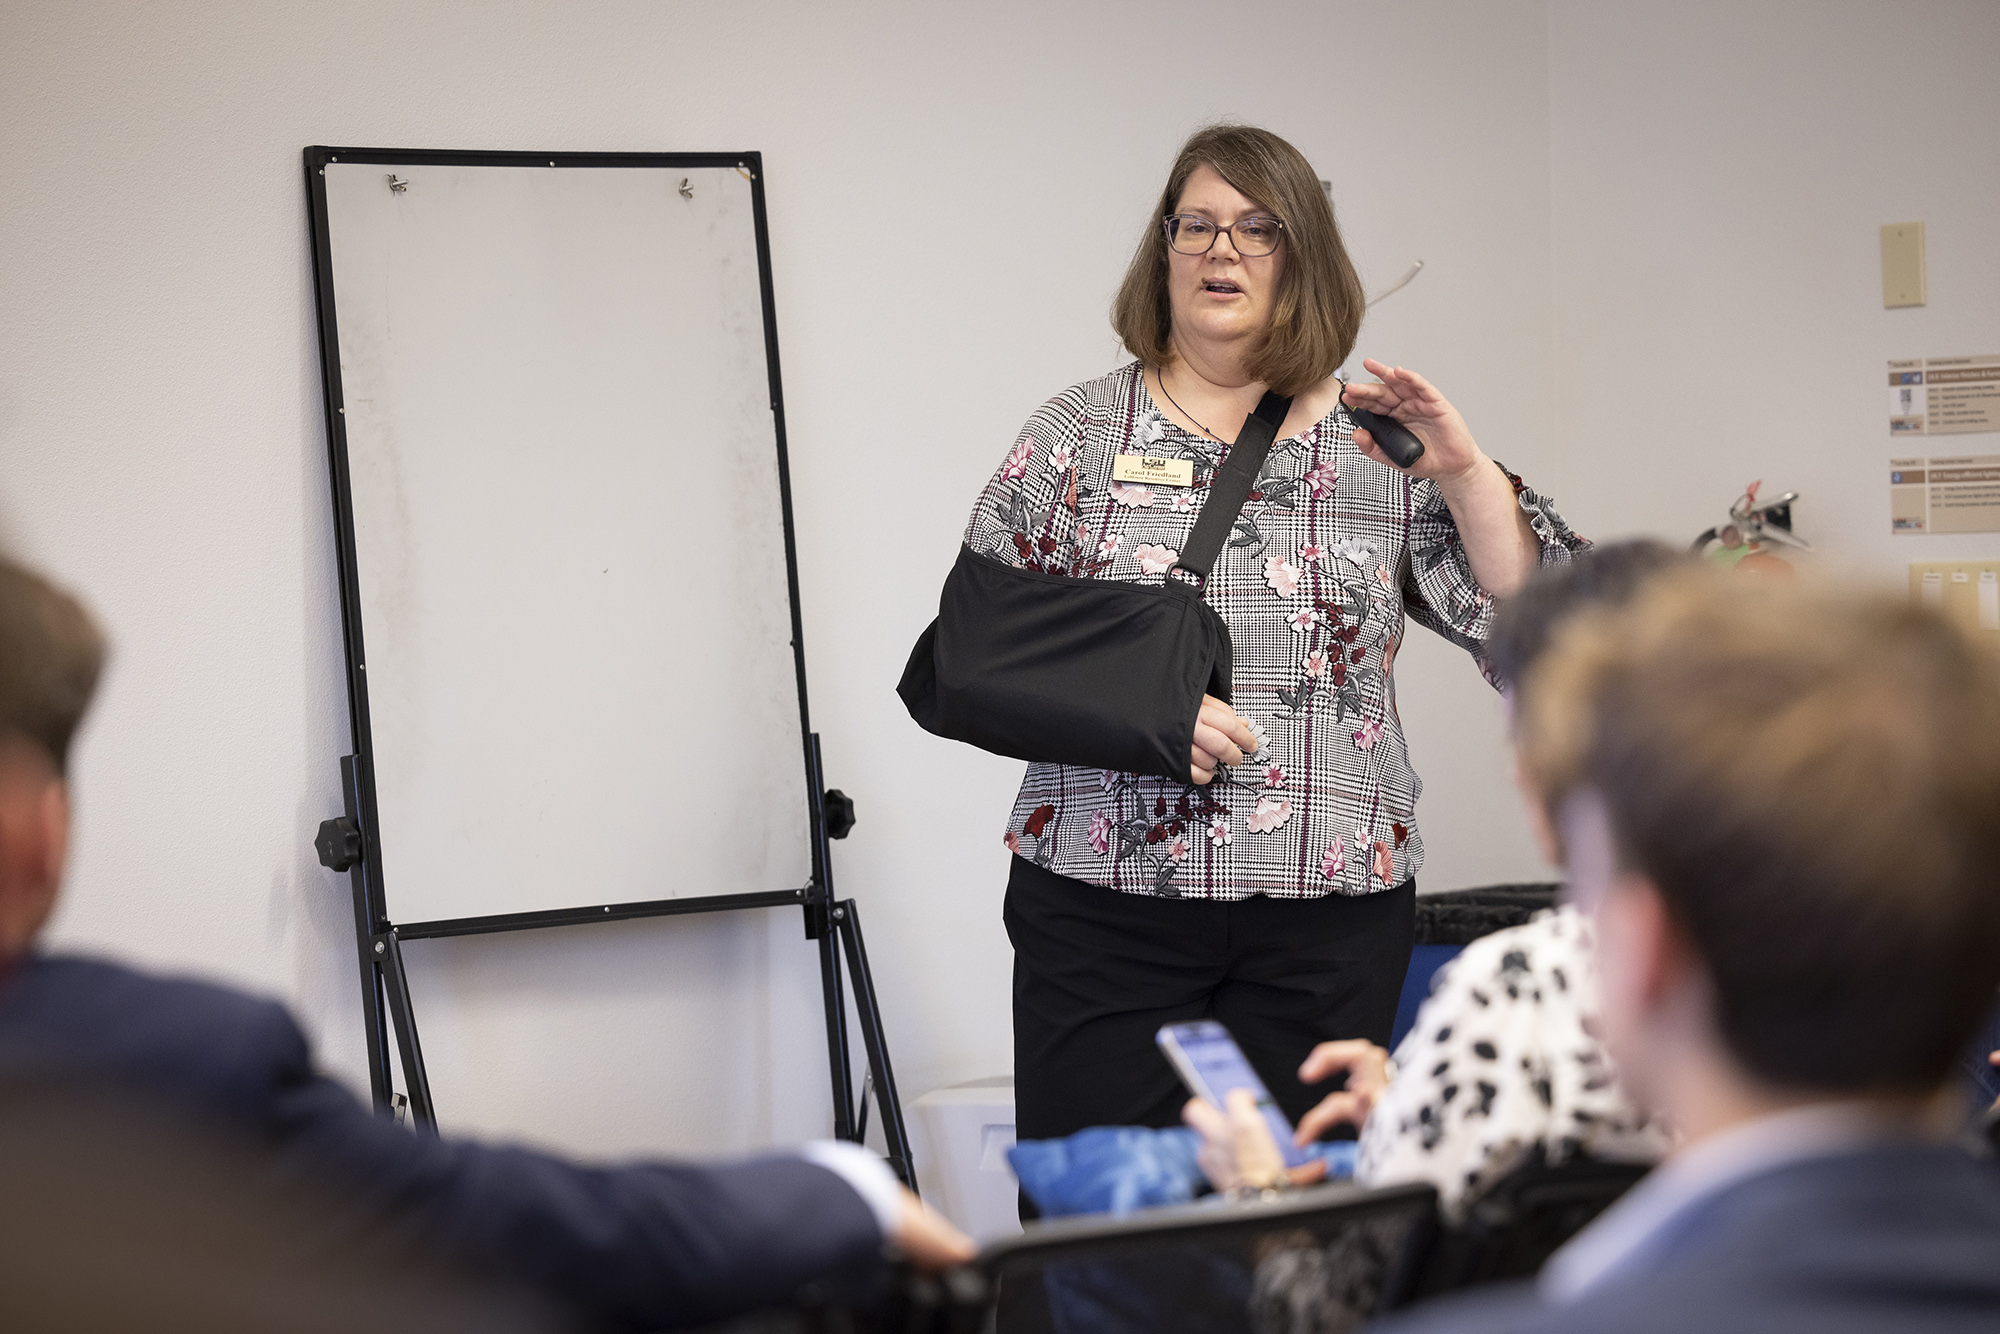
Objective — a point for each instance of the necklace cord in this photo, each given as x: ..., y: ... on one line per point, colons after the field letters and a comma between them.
x: 1161, y: 376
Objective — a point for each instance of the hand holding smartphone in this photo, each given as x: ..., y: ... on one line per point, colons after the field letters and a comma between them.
x: 1211, y: 1065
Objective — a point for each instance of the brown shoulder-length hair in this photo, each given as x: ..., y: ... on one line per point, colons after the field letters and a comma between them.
x: 1320, y: 302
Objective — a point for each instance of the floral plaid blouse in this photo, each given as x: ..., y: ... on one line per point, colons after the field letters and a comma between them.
x: 1329, y: 555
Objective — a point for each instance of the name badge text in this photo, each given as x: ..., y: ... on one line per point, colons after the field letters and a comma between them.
x: 1152, y: 471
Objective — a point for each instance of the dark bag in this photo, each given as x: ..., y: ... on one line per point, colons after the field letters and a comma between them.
x: 1090, y: 672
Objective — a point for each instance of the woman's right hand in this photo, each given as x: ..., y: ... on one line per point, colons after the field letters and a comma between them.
x: 1220, y: 737
x: 1367, y: 1069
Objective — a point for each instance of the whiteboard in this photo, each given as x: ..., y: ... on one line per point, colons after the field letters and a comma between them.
x: 570, y: 614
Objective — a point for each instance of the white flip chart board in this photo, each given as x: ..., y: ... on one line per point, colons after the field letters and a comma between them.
x: 569, y: 554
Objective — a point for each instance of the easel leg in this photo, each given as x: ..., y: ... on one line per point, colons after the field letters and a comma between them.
x: 847, y: 922
x: 364, y: 935
x: 389, y: 951
x: 379, y: 1056
x: 838, y: 1059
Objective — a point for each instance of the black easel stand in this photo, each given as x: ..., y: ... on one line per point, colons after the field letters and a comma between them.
x: 350, y: 843
x: 834, y: 923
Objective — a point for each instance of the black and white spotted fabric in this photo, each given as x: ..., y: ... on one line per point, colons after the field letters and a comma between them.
x: 1503, y: 1060
x: 1332, y: 552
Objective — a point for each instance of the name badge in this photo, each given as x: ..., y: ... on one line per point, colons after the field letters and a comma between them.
x: 1152, y: 471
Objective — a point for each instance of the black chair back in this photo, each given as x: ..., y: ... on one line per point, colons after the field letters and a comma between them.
x: 1509, y: 1231
x: 1315, y: 1261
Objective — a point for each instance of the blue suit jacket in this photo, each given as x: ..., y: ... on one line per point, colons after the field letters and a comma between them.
x: 641, y: 1246
x: 1903, y: 1239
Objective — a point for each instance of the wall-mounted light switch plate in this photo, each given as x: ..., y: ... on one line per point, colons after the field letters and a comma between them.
x: 1902, y: 264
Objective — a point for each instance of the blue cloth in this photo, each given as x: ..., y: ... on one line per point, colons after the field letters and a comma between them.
x: 1902, y: 1238
x: 1117, y: 1169
x: 647, y: 1246
x: 1425, y: 960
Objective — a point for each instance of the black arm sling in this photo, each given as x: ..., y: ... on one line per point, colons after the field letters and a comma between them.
x: 1091, y: 672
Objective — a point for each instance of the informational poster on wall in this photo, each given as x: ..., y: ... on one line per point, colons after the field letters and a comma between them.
x: 1956, y: 494
x: 1944, y: 395
x: 1965, y: 591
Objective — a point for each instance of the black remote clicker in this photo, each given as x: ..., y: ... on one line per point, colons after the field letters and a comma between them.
x: 1396, y: 441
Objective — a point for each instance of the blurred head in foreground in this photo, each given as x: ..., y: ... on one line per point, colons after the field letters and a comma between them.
x: 51, y: 653
x: 1603, y: 578
x: 1782, y: 804
x: 118, y: 1214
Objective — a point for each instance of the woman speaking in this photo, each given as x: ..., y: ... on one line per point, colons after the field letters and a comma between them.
x: 1272, y: 887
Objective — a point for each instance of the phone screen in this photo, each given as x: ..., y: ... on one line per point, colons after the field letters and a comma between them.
x: 1211, y: 1065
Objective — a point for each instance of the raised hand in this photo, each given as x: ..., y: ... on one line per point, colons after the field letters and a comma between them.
x: 1367, y: 1068
x: 1500, y: 545
x: 1449, y: 449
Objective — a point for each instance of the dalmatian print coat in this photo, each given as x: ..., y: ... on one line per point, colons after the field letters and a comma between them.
x: 1504, y: 1060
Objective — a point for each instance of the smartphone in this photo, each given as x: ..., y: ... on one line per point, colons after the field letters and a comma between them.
x: 1212, y: 1065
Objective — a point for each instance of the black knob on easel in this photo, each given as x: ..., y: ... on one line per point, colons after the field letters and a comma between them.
x: 839, y: 813
x: 338, y: 843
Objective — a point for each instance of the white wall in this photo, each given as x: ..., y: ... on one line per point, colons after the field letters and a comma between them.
x: 1719, y: 174
x: 1563, y: 171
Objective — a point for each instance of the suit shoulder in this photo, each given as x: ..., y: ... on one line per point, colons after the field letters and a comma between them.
x: 1499, y: 1309
x: 81, y: 981
x: 93, y: 1016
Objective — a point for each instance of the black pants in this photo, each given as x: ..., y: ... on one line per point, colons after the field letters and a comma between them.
x: 1096, y: 972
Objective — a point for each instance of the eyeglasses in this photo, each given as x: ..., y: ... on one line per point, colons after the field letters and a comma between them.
x: 1192, y: 234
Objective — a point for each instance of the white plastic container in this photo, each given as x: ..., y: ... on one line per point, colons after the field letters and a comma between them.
x: 960, y: 1136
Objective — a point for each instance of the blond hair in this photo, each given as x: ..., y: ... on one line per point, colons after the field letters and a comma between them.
x: 1812, y: 779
